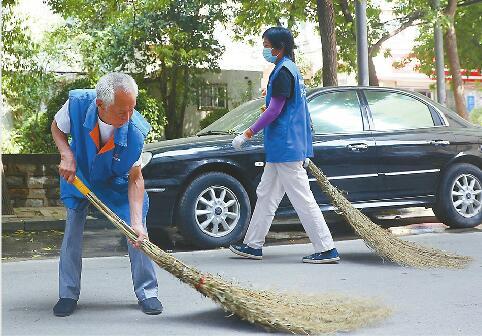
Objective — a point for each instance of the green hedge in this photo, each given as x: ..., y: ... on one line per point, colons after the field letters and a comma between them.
x: 212, y: 117
x: 35, y: 136
x: 476, y: 116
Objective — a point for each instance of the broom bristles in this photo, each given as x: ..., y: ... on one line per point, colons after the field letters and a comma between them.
x: 382, y: 241
x: 293, y: 313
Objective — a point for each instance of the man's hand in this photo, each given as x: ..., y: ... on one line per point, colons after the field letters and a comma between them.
x: 141, y: 235
x: 67, y: 160
x: 136, y: 198
x: 67, y: 166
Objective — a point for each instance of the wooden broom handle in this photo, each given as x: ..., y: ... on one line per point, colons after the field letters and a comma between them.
x: 80, y: 186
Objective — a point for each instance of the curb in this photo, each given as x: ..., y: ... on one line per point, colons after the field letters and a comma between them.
x: 51, y: 224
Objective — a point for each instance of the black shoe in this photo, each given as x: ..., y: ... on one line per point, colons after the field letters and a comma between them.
x: 151, y: 306
x: 65, y: 307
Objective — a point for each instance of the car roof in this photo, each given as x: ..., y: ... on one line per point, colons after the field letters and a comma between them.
x: 312, y: 91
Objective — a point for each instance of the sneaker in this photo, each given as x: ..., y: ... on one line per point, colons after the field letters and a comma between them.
x: 65, y: 307
x: 327, y: 257
x: 245, y: 251
x: 151, y: 306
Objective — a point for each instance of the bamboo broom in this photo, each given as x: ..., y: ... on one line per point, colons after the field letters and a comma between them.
x: 382, y: 241
x: 293, y: 313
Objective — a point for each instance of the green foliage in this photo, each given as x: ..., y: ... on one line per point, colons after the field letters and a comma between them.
x: 212, y: 117
x: 25, y: 80
x: 35, y: 135
x: 169, y: 42
x: 153, y: 111
x: 476, y: 116
x: 468, y: 21
x: 253, y: 16
x: 468, y: 27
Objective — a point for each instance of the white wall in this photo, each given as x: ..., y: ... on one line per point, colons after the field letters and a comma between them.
x: 237, y: 84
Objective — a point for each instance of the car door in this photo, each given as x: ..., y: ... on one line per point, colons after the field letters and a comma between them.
x: 343, y: 146
x: 412, y: 141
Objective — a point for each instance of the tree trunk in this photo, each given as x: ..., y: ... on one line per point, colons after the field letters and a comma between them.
x: 172, y: 130
x: 326, y: 21
x: 185, y: 98
x: 454, y: 62
x: 7, y: 208
x: 372, y: 72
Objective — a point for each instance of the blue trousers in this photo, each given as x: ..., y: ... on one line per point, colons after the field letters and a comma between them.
x: 70, y: 265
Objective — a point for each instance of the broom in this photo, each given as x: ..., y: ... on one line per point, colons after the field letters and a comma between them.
x: 293, y: 313
x: 382, y: 241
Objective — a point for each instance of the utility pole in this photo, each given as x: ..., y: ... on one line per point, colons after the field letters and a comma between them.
x: 362, y: 42
x: 439, y: 58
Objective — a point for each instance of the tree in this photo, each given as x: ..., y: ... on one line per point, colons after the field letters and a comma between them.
x: 326, y: 21
x: 25, y: 77
x: 467, y: 21
x: 453, y: 59
x: 169, y: 42
x: 252, y: 16
x: 336, y: 23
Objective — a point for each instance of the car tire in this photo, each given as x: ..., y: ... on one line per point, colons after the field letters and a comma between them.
x: 214, y: 210
x: 459, y: 196
x: 439, y: 214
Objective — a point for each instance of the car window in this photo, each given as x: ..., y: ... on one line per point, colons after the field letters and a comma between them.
x: 336, y: 112
x: 394, y: 111
x: 238, y: 119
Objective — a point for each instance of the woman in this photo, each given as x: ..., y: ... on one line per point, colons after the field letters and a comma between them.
x: 287, y: 143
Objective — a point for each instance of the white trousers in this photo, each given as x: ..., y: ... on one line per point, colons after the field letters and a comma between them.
x: 289, y: 177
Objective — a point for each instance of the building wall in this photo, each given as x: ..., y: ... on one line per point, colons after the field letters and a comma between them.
x: 237, y: 85
x: 32, y: 179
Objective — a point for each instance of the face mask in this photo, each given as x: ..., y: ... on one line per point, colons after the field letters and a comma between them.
x: 267, y: 55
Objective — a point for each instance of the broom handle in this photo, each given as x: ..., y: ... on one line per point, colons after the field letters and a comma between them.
x: 116, y: 220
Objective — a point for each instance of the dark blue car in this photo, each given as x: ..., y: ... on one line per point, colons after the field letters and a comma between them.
x: 385, y: 148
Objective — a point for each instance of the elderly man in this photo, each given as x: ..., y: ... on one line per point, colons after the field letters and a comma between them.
x: 107, y: 137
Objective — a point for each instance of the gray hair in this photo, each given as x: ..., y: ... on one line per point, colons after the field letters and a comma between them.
x: 112, y: 82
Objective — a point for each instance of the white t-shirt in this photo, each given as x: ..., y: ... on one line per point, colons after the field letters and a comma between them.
x: 62, y: 118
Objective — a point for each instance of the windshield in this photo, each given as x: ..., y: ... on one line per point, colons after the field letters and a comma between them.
x: 237, y: 120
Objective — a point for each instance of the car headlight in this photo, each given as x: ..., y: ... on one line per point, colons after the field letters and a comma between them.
x: 145, y: 158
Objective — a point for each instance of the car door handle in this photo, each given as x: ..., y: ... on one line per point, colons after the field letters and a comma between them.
x: 440, y: 142
x: 357, y: 147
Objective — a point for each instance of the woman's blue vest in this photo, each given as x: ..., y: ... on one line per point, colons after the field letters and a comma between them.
x: 289, y: 137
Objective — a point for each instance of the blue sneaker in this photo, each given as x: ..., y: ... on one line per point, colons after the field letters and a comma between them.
x: 245, y: 251
x: 327, y: 257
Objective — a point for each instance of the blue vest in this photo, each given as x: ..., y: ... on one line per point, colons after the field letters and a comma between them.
x: 289, y: 137
x: 104, y: 170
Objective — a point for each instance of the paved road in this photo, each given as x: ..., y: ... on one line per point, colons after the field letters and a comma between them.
x: 108, y: 242
x: 425, y: 302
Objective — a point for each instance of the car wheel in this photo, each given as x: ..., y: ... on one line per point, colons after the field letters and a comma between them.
x: 459, y: 200
x: 439, y: 214
x: 214, y: 210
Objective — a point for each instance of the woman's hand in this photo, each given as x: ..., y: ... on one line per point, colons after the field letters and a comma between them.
x: 239, y: 140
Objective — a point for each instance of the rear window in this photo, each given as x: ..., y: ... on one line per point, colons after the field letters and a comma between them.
x: 395, y: 111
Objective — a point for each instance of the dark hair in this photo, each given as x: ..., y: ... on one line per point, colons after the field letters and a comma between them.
x: 280, y: 37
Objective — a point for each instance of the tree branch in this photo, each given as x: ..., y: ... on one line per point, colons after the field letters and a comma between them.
x: 468, y: 3
x: 410, y: 19
x: 345, y: 9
